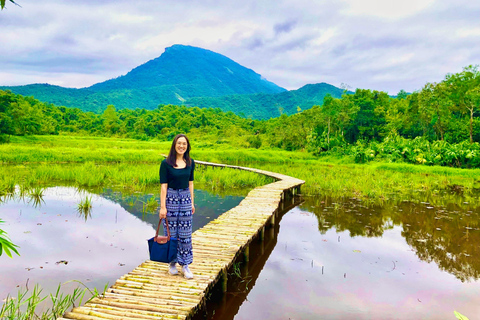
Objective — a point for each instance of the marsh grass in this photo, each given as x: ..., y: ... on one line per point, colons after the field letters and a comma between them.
x: 84, y: 208
x: 7, y: 185
x: 150, y: 206
x: 35, y: 195
x: 131, y: 177
x: 26, y: 307
x: 133, y: 165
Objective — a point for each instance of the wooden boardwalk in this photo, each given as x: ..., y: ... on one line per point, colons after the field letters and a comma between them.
x: 150, y: 292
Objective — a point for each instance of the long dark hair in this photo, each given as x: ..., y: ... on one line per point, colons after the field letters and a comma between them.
x: 172, y: 155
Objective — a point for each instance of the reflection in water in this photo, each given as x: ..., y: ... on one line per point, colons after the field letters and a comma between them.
x: 84, y: 208
x: 145, y: 205
x: 99, y: 239
x: 30, y: 195
x: 349, y: 260
x: 84, y: 212
x: 447, y: 235
x: 243, y: 276
x: 35, y: 196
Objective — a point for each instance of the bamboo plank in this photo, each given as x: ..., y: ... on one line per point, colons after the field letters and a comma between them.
x: 158, y: 301
x: 133, y: 313
x: 140, y: 305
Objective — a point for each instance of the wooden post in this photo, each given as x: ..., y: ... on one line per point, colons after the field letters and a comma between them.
x: 262, y: 234
x: 272, y: 220
x: 246, y: 254
x: 224, y: 281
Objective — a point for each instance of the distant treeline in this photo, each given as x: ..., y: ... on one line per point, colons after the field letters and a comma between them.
x: 438, y: 124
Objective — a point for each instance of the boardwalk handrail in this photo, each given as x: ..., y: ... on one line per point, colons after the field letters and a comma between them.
x: 149, y: 292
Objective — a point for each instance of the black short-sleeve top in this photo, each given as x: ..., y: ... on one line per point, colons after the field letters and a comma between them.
x: 176, y: 178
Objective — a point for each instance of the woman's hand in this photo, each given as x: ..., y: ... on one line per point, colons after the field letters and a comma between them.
x: 162, y: 213
x: 193, y: 209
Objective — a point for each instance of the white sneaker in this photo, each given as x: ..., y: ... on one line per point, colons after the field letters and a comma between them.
x: 173, y: 269
x: 186, y: 272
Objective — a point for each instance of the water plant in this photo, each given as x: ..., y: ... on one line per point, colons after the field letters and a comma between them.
x: 150, y: 205
x: 6, y: 244
x: 7, y: 186
x: 36, y: 195
x: 24, y: 307
x: 133, y: 165
x: 460, y: 316
x: 84, y: 208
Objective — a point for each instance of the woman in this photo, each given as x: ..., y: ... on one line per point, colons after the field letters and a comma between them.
x: 176, y: 200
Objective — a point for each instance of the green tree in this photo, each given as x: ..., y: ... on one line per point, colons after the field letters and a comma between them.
x: 473, y: 105
x: 369, y: 120
x: 435, y: 107
x: 396, y: 116
x: 463, y: 88
x: 330, y: 109
x: 110, y: 120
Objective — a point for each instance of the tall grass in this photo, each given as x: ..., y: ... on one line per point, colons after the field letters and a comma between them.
x: 149, y: 206
x: 84, y: 208
x: 133, y: 165
x: 132, y: 177
x: 26, y: 307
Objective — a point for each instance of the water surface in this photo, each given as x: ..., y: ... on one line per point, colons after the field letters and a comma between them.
x: 58, y: 243
x: 347, y: 260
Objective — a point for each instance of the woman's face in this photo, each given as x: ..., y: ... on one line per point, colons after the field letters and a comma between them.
x: 181, y: 145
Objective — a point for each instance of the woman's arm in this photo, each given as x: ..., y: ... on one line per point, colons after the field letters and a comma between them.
x: 190, y: 186
x: 163, y: 200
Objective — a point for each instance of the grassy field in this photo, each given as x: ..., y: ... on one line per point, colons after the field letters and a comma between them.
x: 133, y: 164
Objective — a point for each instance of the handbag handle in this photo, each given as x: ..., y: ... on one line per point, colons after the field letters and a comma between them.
x: 168, y: 228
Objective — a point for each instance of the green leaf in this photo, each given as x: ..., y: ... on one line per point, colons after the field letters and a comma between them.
x: 5, y: 244
x: 2, y: 3
x: 460, y: 316
x: 7, y: 252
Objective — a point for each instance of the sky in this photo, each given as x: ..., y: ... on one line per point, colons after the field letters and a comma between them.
x: 370, y: 44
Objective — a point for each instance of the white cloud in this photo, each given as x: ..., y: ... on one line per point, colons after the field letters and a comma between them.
x: 386, y: 9
x: 466, y: 33
x: 383, y: 45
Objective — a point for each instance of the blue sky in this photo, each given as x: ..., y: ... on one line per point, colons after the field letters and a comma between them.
x: 374, y: 44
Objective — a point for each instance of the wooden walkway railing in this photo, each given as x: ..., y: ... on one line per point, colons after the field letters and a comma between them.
x: 150, y: 292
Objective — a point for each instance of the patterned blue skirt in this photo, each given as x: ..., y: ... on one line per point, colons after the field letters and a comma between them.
x: 179, y: 214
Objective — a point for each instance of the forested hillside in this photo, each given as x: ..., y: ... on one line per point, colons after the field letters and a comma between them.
x: 439, y: 124
x: 265, y: 106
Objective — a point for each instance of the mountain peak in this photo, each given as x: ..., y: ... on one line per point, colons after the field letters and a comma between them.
x: 191, y: 72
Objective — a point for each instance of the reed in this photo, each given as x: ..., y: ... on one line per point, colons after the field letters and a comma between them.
x: 84, y: 208
x: 149, y: 206
x: 131, y: 177
x: 27, y: 306
x: 133, y: 165
x: 35, y: 195
x: 375, y: 183
x: 7, y: 185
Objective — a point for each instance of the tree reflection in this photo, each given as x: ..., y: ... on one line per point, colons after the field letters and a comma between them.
x: 448, y: 235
